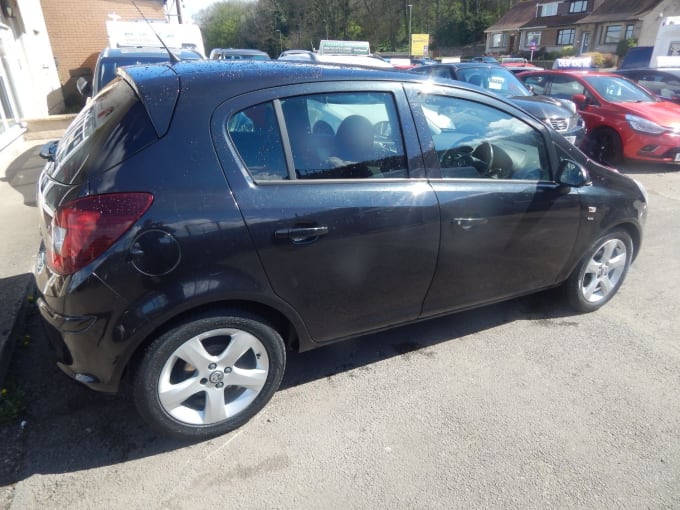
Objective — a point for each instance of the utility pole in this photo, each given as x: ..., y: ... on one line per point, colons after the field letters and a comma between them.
x: 410, y: 7
x: 180, y: 16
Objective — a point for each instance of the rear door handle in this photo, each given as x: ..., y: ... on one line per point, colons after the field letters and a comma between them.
x: 301, y: 234
x: 468, y: 223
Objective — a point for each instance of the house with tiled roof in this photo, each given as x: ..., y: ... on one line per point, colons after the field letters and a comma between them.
x: 585, y: 25
x: 615, y: 20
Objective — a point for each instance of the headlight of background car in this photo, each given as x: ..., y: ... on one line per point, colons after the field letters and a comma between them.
x: 644, y: 125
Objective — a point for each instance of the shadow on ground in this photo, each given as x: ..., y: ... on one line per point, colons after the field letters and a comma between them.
x: 68, y: 428
x: 23, y: 173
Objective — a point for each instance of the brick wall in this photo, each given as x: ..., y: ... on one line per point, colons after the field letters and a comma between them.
x: 77, y: 32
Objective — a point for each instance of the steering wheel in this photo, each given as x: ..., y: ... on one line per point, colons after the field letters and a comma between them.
x: 483, y: 154
x: 480, y: 157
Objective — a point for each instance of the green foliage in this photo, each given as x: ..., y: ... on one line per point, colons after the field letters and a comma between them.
x: 568, y: 51
x: 601, y: 59
x: 384, y: 23
x: 624, y: 45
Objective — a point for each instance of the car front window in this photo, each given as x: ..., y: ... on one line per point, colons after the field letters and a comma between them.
x: 473, y: 140
x: 500, y: 81
x: 618, y: 90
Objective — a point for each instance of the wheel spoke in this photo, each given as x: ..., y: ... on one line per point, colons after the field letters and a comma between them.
x: 172, y: 395
x: 247, y: 378
x: 593, y: 267
x: 241, y: 342
x: 608, y: 250
x: 591, y: 288
x: 193, y: 352
x: 215, y: 410
x: 617, y: 262
x: 606, y: 285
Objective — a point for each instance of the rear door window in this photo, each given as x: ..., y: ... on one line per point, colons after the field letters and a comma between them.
x: 321, y: 136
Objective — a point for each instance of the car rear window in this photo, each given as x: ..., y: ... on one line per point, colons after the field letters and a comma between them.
x: 113, y: 127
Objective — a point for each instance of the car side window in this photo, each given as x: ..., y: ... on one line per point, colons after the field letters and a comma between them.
x: 330, y: 136
x: 564, y: 87
x: 474, y: 140
x: 537, y: 83
x: 255, y: 134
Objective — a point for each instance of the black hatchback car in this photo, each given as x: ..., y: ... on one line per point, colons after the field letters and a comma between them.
x: 199, y: 219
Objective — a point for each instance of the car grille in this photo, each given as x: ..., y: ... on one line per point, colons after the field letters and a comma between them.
x: 559, y: 124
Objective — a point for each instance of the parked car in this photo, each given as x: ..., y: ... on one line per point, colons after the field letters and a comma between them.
x: 637, y: 57
x: 561, y: 115
x: 485, y: 60
x: 312, y: 57
x: 623, y: 119
x: 110, y: 59
x: 185, y: 250
x: 663, y: 83
x: 238, y: 54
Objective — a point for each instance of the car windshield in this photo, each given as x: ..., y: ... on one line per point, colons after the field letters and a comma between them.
x: 618, y: 90
x: 496, y: 79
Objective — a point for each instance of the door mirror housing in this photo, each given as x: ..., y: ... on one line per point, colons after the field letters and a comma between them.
x: 581, y: 100
x: 49, y: 150
x: 570, y: 173
x: 84, y: 87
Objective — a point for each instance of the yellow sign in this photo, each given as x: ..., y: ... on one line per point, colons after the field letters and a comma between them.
x: 419, y: 45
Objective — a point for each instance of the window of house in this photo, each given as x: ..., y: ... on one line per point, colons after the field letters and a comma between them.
x: 612, y: 34
x: 566, y: 36
x: 331, y: 136
x: 473, y: 141
x: 578, y: 6
x: 549, y: 9
x: 629, y: 31
x: 499, y: 40
x: 533, y: 38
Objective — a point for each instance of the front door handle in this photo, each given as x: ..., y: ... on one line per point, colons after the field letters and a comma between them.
x: 468, y: 223
x: 301, y: 234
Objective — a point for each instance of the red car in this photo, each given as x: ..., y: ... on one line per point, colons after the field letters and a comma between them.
x: 624, y: 121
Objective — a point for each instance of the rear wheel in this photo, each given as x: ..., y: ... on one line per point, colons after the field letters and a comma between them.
x: 606, y: 147
x: 209, y: 375
x: 601, y: 272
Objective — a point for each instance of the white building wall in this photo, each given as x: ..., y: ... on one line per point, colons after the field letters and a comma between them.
x: 30, y: 63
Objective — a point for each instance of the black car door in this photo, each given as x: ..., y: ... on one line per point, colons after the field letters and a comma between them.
x: 343, y: 219
x: 507, y: 227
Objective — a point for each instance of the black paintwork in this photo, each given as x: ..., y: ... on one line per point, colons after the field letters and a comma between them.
x: 391, y: 252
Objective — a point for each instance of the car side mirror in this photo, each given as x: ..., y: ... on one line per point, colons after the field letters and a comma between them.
x: 84, y: 87
x: 49, y: 150
x: 570, y: 173
x: 581, y: 100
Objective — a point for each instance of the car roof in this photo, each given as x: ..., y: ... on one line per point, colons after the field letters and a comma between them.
x: 147, y: 52
x: 205, y: 83
x: 671, y: 70
x: 571, y: 72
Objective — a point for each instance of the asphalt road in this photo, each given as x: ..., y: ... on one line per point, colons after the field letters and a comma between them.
x: 516, y: 405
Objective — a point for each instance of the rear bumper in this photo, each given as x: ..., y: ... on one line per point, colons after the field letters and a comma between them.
x: 76, y: 341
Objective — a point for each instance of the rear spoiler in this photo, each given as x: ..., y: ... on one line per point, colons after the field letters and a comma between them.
x: 157, y: 86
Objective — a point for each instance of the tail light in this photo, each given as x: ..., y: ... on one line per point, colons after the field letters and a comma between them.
x: 85, y: 228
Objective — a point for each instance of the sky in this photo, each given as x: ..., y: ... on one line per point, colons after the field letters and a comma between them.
x: 192, y: 7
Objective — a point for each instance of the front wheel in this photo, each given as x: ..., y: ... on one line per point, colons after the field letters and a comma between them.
x: 209, y: 375
x: 606, y: 147
x: 600, y: 272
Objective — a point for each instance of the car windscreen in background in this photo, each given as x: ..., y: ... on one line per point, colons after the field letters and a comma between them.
x: 110, y: 129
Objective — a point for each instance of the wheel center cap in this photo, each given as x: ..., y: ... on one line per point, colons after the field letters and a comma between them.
x: 216, y: 376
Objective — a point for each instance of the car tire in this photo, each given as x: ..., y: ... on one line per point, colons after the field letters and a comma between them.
x: 600, y: 272
x: 606, y: 147
x: 209, y: 375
